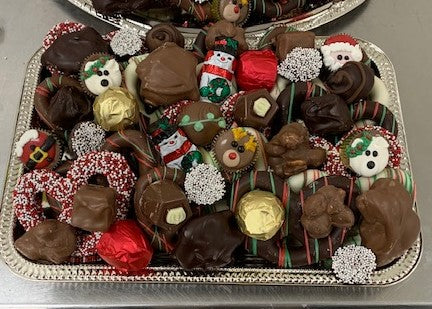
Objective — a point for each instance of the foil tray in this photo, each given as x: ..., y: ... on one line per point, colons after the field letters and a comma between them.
x: 253, y: 274
x: 318, y: 17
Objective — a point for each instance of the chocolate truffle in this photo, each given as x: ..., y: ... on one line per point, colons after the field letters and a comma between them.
x: 94, y: 208
x: 168, y: 75
x: 224, y: 28
x: 255, y: 109
x: 49, y: 241
x: 354, y: 81
x: 164, y: 204
x: 389, y: 226
x: 286, y: 42
x: 235, y: 150
x: 208, y: 241
x: 325, y: 115
x: 162, y: 33
x: 260, y: 214
x: 69, y: 51
x: 325, y: 209
x: 201, y: 121
x: 111, y: 7
x: 68, y: 107
x: 289, y: 152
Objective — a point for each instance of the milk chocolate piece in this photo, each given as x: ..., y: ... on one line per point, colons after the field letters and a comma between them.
x: 164, y: 204
x: 286, y: 42
x: 328, y: 114
x: 94, y: 208
x: 201, y: 121
x: 111, y: 7
x: 208, y: 241
x: 354, y: 81
x: 68, y: 107
x: 227, y: 29
x: 69, y: 51
x: 389, y: 226
x: 289, y: 152
x: 162, y: 33
x: 255, y: 109
x: 49, y: 241
x: 168, y: 75
x: 325, y: 209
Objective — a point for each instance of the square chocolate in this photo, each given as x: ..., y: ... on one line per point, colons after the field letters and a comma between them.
x: 255, y: 109
x: 94, y: 208
x: 286, y: 42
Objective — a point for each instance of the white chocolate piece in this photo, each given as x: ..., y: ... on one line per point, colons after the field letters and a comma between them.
x: 373, y: 160
x: 379, y: 92
x: 299, y: 181
x: 261, y: 107
x: 176, y: 215
x: 110, y: 76
x: 131, y: 78
x: 281, y: 83
x: 404, y: 177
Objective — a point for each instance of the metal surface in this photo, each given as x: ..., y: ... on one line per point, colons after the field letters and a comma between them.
x: 401, y: 28
x: 166, y: 273
x: 322, y: 16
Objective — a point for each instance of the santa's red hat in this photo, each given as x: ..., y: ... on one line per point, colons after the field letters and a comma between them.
x: 342, y: 42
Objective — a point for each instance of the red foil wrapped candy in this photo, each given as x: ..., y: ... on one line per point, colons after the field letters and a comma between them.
x: 125, y: 246
x: 257, y: 69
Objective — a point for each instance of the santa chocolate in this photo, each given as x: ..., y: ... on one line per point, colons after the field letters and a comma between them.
x: 217, y: 73
x: 176, y: 150
x: 339, y: 49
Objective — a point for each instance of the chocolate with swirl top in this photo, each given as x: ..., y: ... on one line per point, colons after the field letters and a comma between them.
x: 163, y: 33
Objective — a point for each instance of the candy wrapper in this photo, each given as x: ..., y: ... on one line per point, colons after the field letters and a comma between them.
x: 256, y: 69
x: 125, y: 247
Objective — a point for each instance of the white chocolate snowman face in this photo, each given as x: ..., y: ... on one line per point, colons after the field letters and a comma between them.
x: 106, y: 77
x: 373, y: 160
x: 222, y: 60
x: 172, y: 143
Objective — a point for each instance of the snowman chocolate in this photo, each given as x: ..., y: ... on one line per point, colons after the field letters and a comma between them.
x: 217, y: 73
x: 368, y: 154
x: 235, y: 150
x: 176, y: 150
x: 100, y: 72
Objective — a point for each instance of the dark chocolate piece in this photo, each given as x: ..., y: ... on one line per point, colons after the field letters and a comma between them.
x: 68, y: 107
x: 94, y: 208
x: 325, y: 115
x: 289, y: 152
x: 162, y: 33
x: 255, y: 109
x: 111, y: 7
x: 208, y: 241
x: 69, y: 51
x: 389, y: 226
x: 354, y: 81
x: 168, y: 75
x: 50, y: 241
x: 325, y: 209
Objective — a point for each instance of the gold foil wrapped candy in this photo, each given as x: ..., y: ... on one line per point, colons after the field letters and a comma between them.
x: 115, y: 109
x: 260, y: 214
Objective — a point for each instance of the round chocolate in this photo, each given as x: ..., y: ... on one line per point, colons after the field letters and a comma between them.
x: 115, y: 109
x: 162, y: 33
x: 201, y: 121
x: 86, y: 137
x: 235, y: 150
x: 354, y: 81
x: 50, y: 241
x: 260, y: 214
x: 208, y: 241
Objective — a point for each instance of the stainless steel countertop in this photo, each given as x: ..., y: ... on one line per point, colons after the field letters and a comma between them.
x: 401, y: 28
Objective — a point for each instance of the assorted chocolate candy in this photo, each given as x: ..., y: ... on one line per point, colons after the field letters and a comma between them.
x: 230, y: 152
